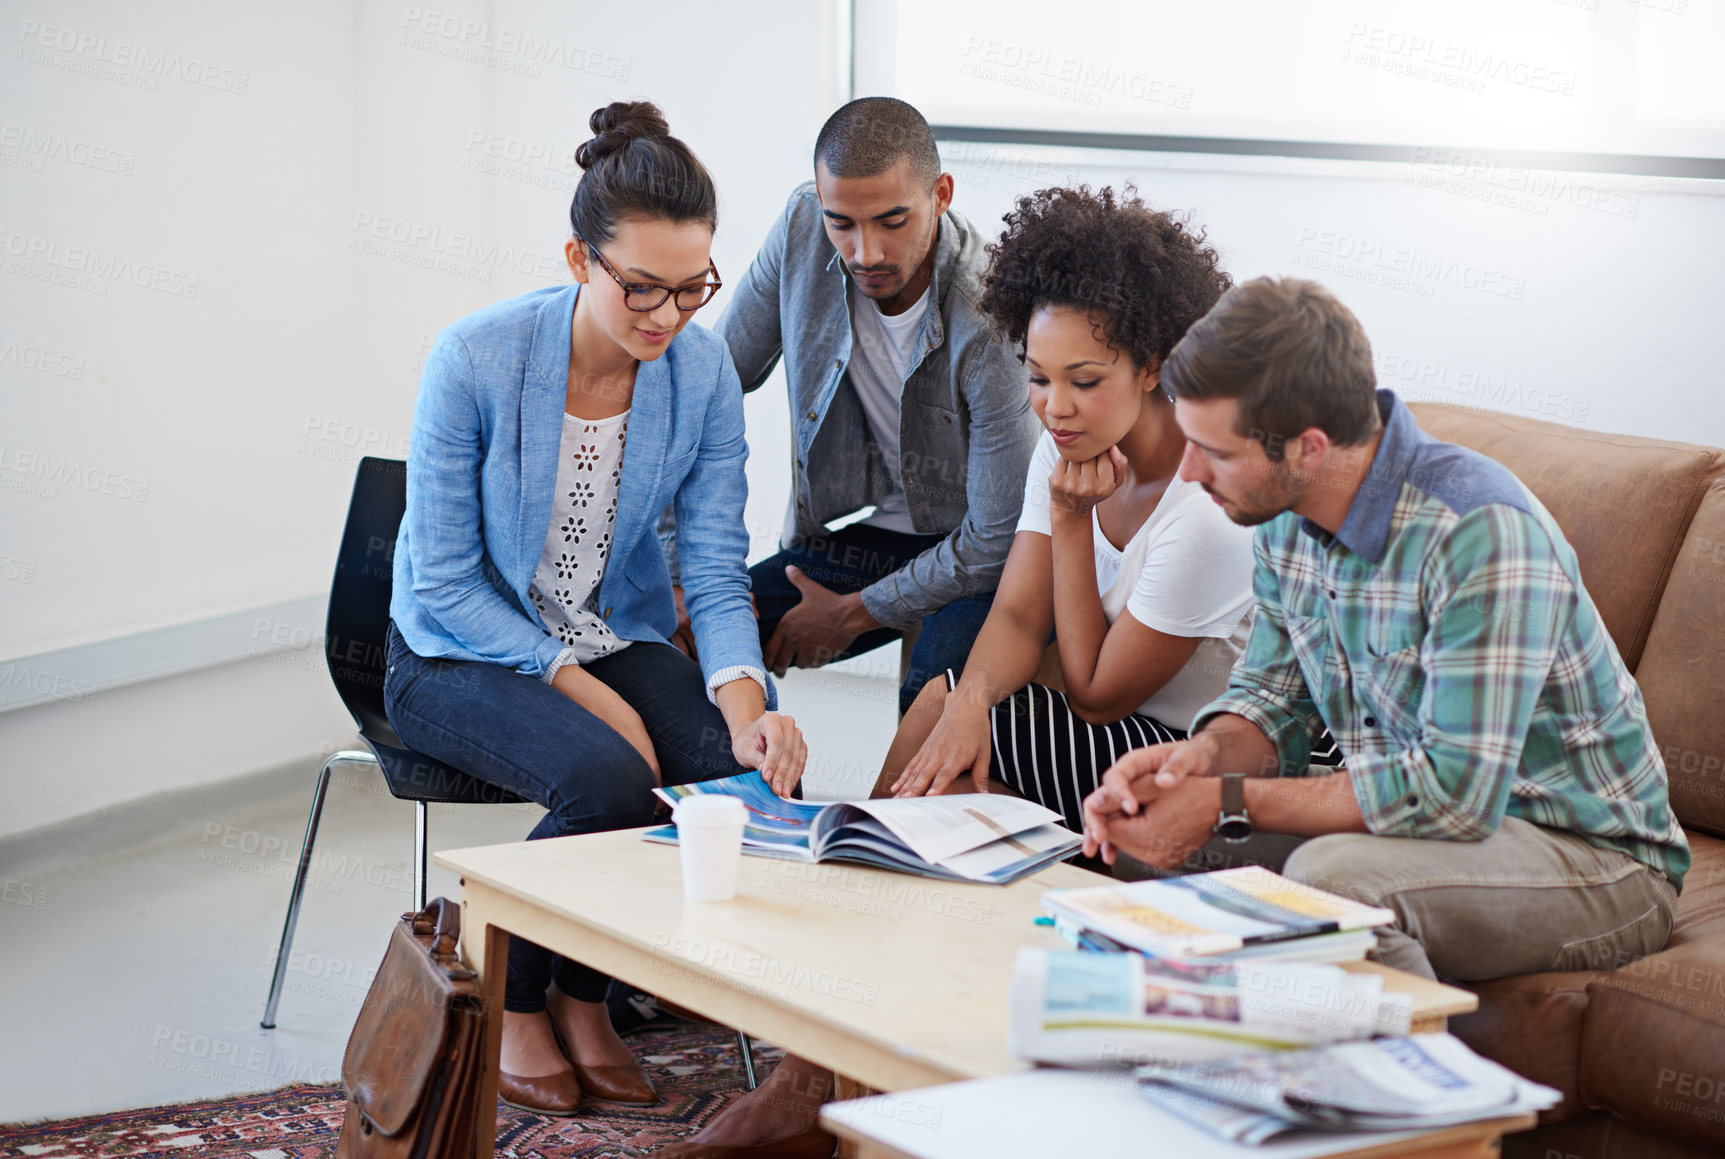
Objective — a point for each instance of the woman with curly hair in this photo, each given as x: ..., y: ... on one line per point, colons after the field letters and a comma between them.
x: 1144, y: 582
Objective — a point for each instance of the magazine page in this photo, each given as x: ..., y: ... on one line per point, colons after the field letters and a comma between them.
x: 1413, y: 1080
x: 1118, y: 1009
x: 992, y: 838
x: 937, y: 828
x: 1210, y: 913
x: 1262, y: 893
x: 1222, y: 1119
x: 776, y: 826
x: 1011, y: 858
x: 1341, y: 946
x: 1239, y: 1124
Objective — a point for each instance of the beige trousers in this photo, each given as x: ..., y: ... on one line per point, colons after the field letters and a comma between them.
x: 1525, y: 900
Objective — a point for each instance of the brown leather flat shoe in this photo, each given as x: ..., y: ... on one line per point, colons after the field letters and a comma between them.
x: 809, y: 1143
x: 547, y: 1094
x: 628, y: 1084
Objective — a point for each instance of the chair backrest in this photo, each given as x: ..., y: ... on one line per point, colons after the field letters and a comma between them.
x: 358, y: 622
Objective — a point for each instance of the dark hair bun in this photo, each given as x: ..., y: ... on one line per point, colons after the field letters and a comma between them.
x: 635, y: 168
x: 617, y: 124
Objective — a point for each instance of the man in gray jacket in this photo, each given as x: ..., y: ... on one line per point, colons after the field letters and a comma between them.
x: 901, y: 399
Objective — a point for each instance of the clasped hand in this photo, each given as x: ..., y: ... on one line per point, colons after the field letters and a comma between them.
x: 1159, y: 804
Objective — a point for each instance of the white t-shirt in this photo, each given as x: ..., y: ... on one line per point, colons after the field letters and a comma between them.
x: 881, y: 349
x: 565, y: 587
x: 1187, y: 572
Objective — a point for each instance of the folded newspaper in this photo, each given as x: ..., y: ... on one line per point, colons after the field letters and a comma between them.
x: 982, y: 837
x: 1388, y: 1084
x: 1085, y: 1009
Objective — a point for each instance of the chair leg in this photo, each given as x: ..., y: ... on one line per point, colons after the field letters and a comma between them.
x: 317, y: 797
x: 419, y: 843
x: 748, y: 1061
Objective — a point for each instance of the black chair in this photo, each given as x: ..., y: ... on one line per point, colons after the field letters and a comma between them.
x: 354, y: 634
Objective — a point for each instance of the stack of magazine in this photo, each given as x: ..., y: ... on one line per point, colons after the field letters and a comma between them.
x: 981, y: 837
x: 1088, y: 1009
x: 1388, y: 1084
x: 1240, y: 914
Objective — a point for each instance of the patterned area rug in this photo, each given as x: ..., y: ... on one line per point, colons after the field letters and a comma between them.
x: 696, y: 1069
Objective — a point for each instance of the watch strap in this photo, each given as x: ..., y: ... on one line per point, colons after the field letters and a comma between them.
x: 1233, y: 795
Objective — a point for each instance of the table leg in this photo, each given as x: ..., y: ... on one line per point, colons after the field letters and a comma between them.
x: 849, y: 1088
x: 485, y: 946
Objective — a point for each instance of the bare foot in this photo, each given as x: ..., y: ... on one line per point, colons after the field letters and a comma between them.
x: 587, y: 1031
x: 787, y: 1102
x: 529, y: 1050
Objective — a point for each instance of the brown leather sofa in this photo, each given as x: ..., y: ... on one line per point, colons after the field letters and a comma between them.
x: 1638, y: 1051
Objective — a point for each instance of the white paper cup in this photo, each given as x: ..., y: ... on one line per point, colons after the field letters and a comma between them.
x: 710, y: 834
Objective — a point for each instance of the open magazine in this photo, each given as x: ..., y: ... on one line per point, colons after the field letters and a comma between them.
x: 1085, y: 1009
x: 983, y: 837
x: 1216, y: 913
x: 1388, y: 1084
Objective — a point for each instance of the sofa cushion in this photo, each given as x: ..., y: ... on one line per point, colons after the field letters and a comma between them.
x: 1653, y: 1042
x: 1701, y: 906
x: 1532, y: 1025
x: 1622, y: 501
x: 1599, y: 1135
x: 1682, y: 673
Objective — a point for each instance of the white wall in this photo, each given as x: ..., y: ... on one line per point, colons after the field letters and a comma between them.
x: 1583, y: 299
x: 193, y: 196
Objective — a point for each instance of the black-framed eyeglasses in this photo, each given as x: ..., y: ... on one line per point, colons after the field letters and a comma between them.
x: 643, y: 297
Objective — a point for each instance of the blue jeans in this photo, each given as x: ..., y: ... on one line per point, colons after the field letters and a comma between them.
x: 518, y: 732
x: 849, y: 560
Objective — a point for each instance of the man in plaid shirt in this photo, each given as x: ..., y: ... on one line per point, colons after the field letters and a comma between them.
x: 1502, y: 792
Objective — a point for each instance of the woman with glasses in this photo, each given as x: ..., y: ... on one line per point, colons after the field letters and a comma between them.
x: 532, y: 606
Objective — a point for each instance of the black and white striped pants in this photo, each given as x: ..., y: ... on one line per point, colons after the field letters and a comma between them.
x: 1042, y: 749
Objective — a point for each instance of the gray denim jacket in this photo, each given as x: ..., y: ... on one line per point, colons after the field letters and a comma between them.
x: 966, y: 429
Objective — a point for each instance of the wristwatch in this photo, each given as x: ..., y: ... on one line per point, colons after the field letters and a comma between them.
x: 1232, y: 823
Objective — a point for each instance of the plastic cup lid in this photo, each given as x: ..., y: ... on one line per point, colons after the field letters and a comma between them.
x: 709, y: 809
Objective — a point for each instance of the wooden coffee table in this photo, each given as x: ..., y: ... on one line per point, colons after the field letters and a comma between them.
x: 893, y: 981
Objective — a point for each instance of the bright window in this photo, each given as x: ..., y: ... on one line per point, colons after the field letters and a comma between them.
x: 1597, y: 76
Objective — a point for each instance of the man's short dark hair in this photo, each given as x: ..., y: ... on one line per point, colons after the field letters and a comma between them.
x: 1291, y: 354
x: 869, y: 136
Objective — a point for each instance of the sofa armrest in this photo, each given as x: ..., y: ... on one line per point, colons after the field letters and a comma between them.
x: 1653, y: 1042
x: 1532, y: 1024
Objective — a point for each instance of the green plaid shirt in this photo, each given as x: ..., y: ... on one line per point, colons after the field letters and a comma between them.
x: 1444, y: 637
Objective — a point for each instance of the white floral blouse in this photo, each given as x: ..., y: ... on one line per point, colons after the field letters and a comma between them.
x: 565, y: 588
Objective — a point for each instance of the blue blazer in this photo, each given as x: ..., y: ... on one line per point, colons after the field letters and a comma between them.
x: 482, y: 469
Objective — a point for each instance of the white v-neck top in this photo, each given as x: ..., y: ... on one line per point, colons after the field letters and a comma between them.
x: 881, y: 351
x: 1186, y: 572
x: 565, y: 587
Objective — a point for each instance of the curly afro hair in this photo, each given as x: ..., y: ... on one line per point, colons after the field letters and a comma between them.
x: 1143, y: 272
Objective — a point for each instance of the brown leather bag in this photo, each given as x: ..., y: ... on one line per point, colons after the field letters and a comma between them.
x: 412, y: 1064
